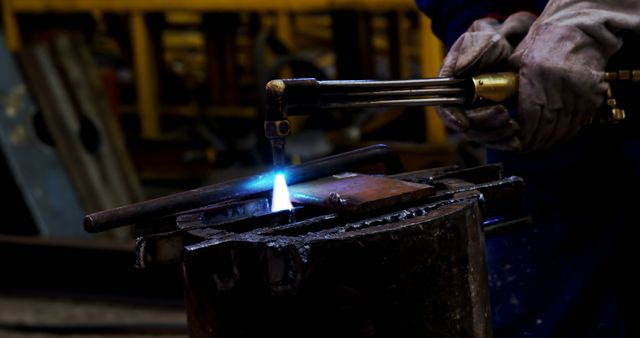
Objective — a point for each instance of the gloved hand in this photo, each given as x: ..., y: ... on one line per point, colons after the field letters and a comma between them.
x: 562, y: 61
x: 485, y: 47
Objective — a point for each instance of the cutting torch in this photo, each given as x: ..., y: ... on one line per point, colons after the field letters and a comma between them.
x: 305, y: 96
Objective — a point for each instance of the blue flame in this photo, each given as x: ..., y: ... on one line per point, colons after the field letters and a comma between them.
x: 280, y: 199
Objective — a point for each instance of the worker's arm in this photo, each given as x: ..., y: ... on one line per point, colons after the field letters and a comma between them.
x: 485, y: 47
x: 451, y: 18
x: 561, y: 65
x: 481, y: 36
x: 562, y: 62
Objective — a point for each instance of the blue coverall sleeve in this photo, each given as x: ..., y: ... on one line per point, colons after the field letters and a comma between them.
x: 560, y: 277
x: 451, y: 18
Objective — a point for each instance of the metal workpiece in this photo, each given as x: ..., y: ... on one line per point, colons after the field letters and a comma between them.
x: 500, y: 196
x: 240, y: 188
x: 407, y: 270
x: 409, y: 267
x: 356, y: 193
x: 381, y: 256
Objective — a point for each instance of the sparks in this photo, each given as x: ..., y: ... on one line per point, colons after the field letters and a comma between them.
x: 280, y: 200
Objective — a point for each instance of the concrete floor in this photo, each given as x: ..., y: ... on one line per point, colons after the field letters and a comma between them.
x: 15, y: 309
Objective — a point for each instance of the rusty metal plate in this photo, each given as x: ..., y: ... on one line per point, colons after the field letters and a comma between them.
x: 358, y: 193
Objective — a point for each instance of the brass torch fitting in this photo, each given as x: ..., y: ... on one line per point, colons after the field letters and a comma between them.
x: 276, y: 124
x: 494, y: 87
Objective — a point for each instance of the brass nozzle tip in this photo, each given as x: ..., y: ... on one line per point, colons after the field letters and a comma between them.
x: 276, y: 86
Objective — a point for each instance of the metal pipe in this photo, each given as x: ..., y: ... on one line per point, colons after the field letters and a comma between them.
x: 277, y: 152
x: 397, y: 93
x: 341, y: 94
x: 438, y: 81
x: 171, y: 204
x: 382, y: 103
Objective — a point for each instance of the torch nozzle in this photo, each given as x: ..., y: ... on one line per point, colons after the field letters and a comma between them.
x: 277, y: 151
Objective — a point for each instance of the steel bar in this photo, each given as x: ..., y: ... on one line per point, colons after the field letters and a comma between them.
x: 167, y: 205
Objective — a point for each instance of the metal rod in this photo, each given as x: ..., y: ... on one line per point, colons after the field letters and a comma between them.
x: 443, y: 81
x: 397, y: 93
x: 277, y: 152
x: 382, y: 103
x: 171, y: 204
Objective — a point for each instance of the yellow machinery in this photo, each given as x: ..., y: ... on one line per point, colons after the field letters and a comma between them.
x: 148, y: 106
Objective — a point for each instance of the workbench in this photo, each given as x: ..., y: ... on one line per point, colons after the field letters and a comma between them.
x: 431, y: 51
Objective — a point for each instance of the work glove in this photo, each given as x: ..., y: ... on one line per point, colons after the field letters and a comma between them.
x: 485, y: 47
x: 561, y: 65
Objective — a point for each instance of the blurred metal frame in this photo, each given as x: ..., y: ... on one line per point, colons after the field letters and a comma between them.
x: 36, y: 166
x: 431, y: 50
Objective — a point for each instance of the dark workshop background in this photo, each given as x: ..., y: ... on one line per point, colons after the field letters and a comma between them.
x: 105, y: 103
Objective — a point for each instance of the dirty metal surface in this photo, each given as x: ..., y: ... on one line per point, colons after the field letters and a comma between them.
x: 358, y: 193
x: 413, y: 273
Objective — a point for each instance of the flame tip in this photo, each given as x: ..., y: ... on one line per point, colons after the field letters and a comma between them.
x: 280, y: 200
